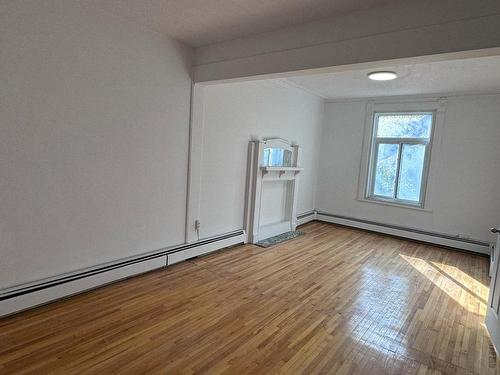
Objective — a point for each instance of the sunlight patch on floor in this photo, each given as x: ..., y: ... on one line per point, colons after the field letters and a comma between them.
x: 461, y: 287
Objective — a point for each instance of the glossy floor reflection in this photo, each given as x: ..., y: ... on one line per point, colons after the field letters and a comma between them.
x: 470, y: 293
x: 336, y: 300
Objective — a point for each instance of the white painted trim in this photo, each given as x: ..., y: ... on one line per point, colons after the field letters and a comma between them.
x: 409, y: 98
x: 433, y: 238
x: 493, y: 328
x: 493, y: 255
x: 258, y: 177
x: 438, y: 107
x: 205, y: 249
x: 306, y: 218
x: 491, y: 321
x: 96, y: 279
x: 44, y: 296
x: 394, y: 204
x: 196, y: 130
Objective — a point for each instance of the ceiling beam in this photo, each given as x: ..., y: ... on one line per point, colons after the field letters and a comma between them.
x: 429, y: 30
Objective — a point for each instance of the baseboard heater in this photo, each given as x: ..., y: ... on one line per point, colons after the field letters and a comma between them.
x: 25, y: 296
x: 306, y: 217
x: 442, y: 239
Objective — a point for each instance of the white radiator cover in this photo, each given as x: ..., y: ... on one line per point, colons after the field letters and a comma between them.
x: 411, y: 233
x: 33, y: 294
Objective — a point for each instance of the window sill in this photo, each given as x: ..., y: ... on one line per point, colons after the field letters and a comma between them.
x: 393, y: 204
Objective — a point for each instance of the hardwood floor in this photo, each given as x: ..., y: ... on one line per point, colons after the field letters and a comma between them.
x: 336, y: 300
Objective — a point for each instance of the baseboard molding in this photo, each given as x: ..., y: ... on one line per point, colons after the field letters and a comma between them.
x: 56, y: 292
x: 29, y: 295
x: 306, y: 217
x: 179, y: 256
x: 406, y: 232
x: 33, y: 294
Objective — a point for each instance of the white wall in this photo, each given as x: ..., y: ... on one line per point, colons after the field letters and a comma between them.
x: 465, y: 191
x: 236, y: 113
x: 94, y: 126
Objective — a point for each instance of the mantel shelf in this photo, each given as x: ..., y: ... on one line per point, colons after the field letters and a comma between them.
x: 281, y: 170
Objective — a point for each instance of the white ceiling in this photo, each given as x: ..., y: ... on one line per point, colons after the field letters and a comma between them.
x: 478, y: 75
x: 202, y: 22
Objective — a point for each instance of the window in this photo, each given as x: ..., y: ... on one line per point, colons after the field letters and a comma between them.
x: 399, y: 157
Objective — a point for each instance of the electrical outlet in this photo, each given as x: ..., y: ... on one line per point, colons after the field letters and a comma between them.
x: 197, y: 224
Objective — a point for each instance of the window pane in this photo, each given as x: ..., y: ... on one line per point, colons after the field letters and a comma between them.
x: 404, y: 125
x: 410, y: 174
x: 385, y: 170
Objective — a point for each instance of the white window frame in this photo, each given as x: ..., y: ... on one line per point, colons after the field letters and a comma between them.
x: 370, y: 141
x: 427, y: 142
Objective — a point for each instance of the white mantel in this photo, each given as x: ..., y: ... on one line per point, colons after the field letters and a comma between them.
x: 271, y: 204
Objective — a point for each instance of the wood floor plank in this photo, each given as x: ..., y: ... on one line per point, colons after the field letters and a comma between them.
x: 337, y: 300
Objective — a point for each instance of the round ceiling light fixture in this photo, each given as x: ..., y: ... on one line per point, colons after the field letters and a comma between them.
x: 382, y: 76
